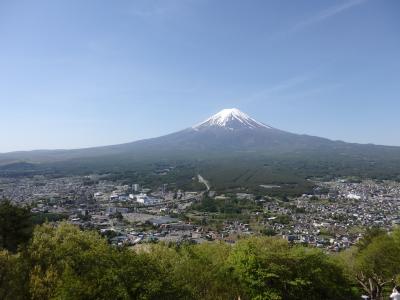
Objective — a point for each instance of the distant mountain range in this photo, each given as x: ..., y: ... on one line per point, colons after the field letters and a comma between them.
x: 229, y: 142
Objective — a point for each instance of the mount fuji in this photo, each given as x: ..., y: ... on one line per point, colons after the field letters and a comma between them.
x: 231, y: 119
x: 230, y: 142
x: 228, y: 130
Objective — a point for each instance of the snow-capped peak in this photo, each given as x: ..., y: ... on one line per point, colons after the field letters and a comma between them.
x: 231, y: 118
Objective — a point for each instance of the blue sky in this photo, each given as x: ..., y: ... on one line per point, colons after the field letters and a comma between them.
x: 85, y: 73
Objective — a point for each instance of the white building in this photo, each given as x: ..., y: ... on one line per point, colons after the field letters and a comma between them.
x: 144, y: 199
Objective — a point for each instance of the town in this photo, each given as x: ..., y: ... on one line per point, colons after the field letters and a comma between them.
x: 334, y: 217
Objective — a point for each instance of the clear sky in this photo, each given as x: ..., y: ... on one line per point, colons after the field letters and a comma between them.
x: 79, y: 73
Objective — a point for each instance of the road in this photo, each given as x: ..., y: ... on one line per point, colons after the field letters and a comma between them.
x: 203, y: 181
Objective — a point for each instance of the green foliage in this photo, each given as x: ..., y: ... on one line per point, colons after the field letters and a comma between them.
x: 40, y: 218
x: 374, y: 263
x: 230, y: 207
x: 200, y: 271
x: 11, y: 277
x: 15, y: 225
x: 207, y: 205
x: 369, y: 236
x: 269, y: 231
x: 270, y: 269
x: 64, y: 262
x: 380, y: 259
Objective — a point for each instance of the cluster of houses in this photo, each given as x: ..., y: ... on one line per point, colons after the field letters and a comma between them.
x: 336, y: 219
x: 333, y: 218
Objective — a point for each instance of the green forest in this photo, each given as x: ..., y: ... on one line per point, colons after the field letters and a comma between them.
x: 60, y: 261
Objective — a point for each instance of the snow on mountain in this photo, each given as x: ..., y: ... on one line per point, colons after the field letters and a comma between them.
x: 231, y: 118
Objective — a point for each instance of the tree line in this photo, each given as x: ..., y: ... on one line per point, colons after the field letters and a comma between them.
x: 61, y: 261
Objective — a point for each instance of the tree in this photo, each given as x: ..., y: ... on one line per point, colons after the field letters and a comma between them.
x: 6, y: 275
x: 67, y: 263
x: 377, y: 264
x: 368, y: 237
x: 15, y: 225
x: 374, y: 262
x: 270, y: 268
x: 201, y: 271
x: 269, y: 231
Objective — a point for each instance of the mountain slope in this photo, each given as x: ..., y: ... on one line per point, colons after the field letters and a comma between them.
x: 230, y: 141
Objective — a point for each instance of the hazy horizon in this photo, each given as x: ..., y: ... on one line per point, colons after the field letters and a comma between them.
x: 79, y: 74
